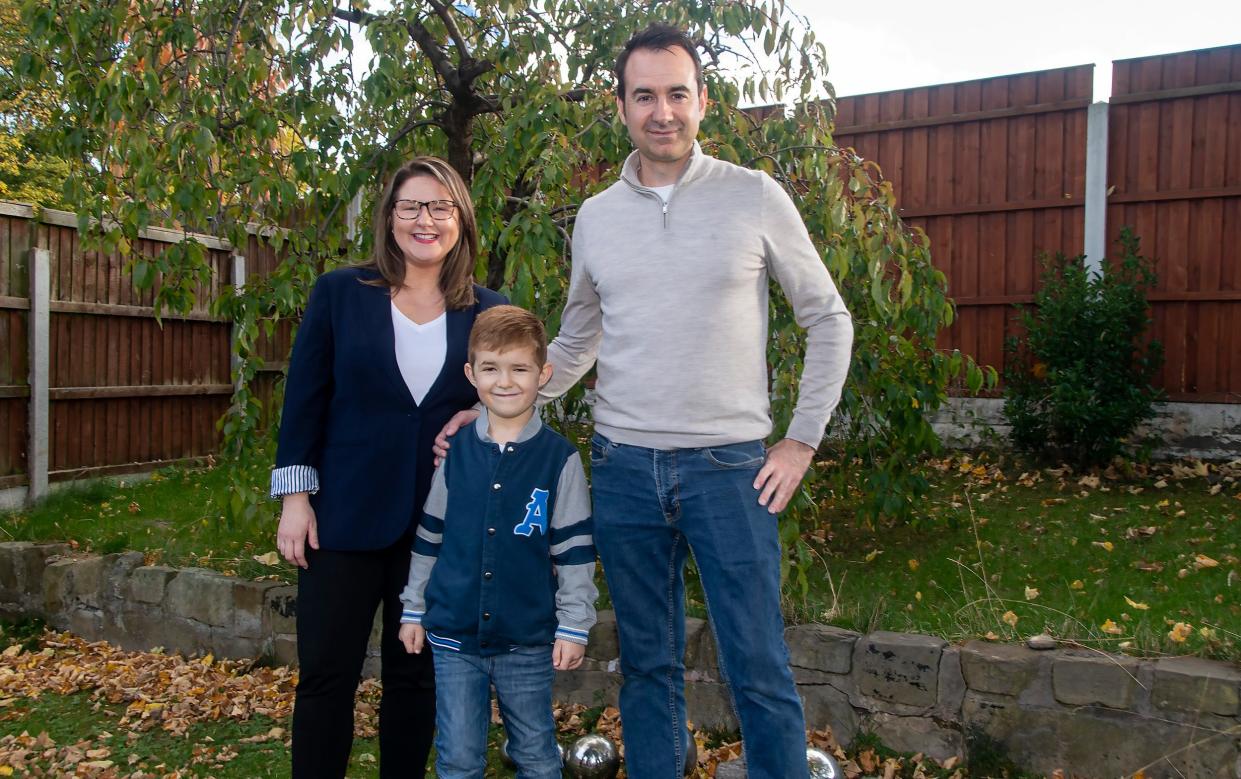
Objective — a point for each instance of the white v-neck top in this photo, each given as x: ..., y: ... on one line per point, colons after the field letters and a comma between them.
x: 420, y: 350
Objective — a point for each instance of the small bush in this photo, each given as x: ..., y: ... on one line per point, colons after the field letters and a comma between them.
x: 1078, y: 384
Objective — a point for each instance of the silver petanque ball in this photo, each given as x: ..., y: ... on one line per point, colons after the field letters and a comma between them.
x: 592, y: 757
x: 564, y: 753
x: 822, y: 765
x: 691, y: 755
x: 505, y: 757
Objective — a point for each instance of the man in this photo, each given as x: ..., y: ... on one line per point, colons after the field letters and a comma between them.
x: 669, y: 296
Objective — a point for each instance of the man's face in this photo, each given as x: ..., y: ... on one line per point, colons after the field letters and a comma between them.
x: 662, y: 105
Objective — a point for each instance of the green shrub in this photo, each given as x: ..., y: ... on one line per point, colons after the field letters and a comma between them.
x: 1078, y: 383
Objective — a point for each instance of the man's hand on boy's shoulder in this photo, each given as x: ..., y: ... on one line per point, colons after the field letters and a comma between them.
x: 567, y: 655
x: 458, y: 421
x: 412, y: 636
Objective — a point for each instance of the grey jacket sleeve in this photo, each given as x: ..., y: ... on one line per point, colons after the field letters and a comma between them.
x: 573, y: 554
x: 817, y: 307
x: 573, y: 351
x: 427, y: 541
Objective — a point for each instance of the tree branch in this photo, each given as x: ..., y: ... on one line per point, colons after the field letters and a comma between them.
x: 453, y: 31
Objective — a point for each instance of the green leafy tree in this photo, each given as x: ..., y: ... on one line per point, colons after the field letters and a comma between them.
x: 214, y: 113
x: 1078, y: 383
x: 29, y: 171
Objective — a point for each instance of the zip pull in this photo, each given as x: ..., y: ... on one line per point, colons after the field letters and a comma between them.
x: 665, y: 214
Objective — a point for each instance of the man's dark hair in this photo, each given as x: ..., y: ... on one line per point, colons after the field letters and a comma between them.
x: 657, y: 36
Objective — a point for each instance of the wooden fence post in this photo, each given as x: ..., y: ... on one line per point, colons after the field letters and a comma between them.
x: 1095, y: 227
x: 239, y: 283
x: 40, y: 269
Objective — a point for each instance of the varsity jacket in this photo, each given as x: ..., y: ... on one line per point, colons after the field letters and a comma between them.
x: 504, y: 555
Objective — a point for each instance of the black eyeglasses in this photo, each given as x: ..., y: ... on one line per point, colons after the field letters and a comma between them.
x: 440, y: 210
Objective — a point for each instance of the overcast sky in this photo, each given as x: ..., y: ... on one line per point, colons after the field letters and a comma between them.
x: 893, y: 44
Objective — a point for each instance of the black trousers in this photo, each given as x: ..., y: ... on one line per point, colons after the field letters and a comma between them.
x: 336, y: 600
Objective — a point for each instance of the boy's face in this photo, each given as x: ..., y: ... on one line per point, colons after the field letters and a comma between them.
x: 508, y: 382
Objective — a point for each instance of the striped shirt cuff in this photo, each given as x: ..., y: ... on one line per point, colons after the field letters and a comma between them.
x: 294, y: 478
x: 411, y: 617
x: 572, y: 634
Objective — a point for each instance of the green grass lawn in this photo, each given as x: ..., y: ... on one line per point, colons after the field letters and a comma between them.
x: 1144, y: 562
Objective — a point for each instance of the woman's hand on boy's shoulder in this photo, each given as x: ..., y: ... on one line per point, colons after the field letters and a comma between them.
x: 458, y: 421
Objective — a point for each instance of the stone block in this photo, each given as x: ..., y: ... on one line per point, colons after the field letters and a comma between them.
x: 709, y: 705
x: 1100, y: 742
x: 1193, y: 685
x: 201, y: 595
x: 284, y: 650
x: 700, y: 653
x: 821, y: 648
x: 21, y: 570
x: 187, y: 636
x: 1003, y: 669
x: 951, y: 684
x: 1094, y: 680
x: 282, y: 609
x: 140, y: 626
x: 117, y: 568
x: 917, y: 734
x: 898, y: 667
x: 87, y: 623
x: 604, y: 641
x: 250, y: 618
x: 70, y: 582
x: 588, y: 688
x: 733, y: 769
x: 825, y: 706
x: 372, y: 667
x: 148, y: 583
x: 226, y: 643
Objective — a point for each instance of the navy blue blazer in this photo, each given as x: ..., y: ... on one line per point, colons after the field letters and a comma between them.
x: 348, y: 411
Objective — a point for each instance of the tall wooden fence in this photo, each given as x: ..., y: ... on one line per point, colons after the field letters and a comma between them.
x: 998, y: 171
x: 91, y: 383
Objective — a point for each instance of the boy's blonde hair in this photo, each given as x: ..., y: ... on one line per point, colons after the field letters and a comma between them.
x: 501, y: 328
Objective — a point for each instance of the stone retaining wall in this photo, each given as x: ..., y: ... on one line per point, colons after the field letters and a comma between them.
x: 1086, y: 713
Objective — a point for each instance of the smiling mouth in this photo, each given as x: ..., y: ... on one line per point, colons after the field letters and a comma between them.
x: 426, y: 237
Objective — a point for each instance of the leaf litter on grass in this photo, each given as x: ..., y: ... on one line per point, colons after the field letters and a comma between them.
x: 153, y: 692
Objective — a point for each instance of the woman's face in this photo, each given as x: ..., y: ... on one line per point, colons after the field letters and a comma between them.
x: 424, y: 239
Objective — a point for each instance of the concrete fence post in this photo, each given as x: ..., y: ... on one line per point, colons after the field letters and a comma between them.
x: 239, y: 283
x: 39, y: 327
x: 1095, y: 227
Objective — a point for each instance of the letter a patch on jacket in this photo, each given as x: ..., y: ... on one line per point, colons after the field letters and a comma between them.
x: 536, y: 515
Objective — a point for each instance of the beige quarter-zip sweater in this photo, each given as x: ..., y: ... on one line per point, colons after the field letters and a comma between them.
x: 670, y: 298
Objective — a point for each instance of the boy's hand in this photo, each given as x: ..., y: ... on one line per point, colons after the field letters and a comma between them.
x: 412, y: 636
x: 566, y: 655
x: 458, y: 421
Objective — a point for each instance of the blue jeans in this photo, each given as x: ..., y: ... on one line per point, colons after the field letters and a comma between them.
x: 651, y: 508
x: 523, y: 682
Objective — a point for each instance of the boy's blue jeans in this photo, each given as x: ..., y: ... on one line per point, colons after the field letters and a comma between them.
x: 523, y: 682
x: 651, y: 508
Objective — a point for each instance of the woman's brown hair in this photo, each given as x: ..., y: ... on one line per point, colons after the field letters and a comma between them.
x: 457, y: 273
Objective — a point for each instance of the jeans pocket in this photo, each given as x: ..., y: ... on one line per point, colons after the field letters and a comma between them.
x: 600, y: 448
x: 745, y: 455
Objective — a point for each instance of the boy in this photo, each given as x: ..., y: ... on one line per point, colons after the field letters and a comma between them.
x: 501, y: 581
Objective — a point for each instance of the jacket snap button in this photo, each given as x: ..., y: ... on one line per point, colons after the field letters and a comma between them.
x: 495, y: 486
x: 491, y: 531
x: 487, y: 574
x: 486, y: 616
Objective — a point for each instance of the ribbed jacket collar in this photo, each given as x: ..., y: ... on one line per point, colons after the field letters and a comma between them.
x: 693, y: 169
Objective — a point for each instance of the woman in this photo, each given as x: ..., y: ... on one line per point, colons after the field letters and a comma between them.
x: 375, y: 373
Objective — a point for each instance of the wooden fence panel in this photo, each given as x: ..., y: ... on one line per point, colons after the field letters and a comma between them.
x: 1174, y: 152
x: 994, y: 171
